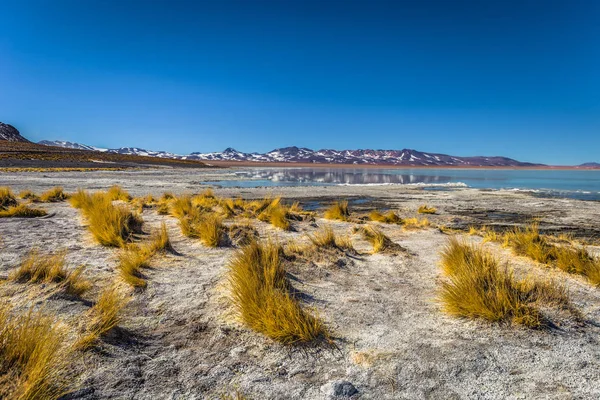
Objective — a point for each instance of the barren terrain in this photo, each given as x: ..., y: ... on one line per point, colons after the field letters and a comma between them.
x: 179, y: 339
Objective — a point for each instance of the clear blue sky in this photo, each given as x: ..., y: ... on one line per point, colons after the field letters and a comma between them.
x: 514, y: 78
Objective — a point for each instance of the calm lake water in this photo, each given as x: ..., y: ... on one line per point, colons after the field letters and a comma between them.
x: 579, y: 184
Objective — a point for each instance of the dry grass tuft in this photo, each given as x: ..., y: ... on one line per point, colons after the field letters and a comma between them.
x: 135, y: 257
x: 116, y: 192
x: 338, y: 210
x: 50, y: 268
x: 479, y: 288
x: 425, y: 209
x: 388, y: 218
x: 277, y: 214
x: 379, y: 241
x: 160, y: 241
x: 34, y: 360
x: 415, y: 223
x: 7, y: 198
x: 29, y: 195
x: 141, y: 203
x: 326, y: 238
x: 577, y: 261
x: 104, y: 316
x: 111, y: 225
x: 528, y: 242
x: 54, y: 195
x: 242, y: 234
x: 261, y: 296
x: 22, y: 211
x: 182, y: 206
x: 131, y: 260
x: 211, y: 230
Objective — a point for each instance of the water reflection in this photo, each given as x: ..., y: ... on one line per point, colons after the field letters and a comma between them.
x: 340, y: 176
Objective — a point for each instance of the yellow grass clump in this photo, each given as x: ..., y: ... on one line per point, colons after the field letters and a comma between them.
x: 338, y: 210
x: 277, y: 214
x: 425, y: 209
x: 568, y: 257
x: 29, y: 195
x: 133, y: 258
x: 7, y: 198
x: 325, y: 237
x: 378, y: 239
x: 479, y: 288
x: 103, y: 316
x: 111, y: 225
x: 50, y: 268
x: 34, y: 360
x: 182, y: 207
x: 211, y: 230
x: 140, y: 203
x: 262, y: 299
x: 415, y: 223
x: 54, y: 195
x: 388, y: 218
x: 22, y: 211
x: 116, y: 192
x: 528, y: 242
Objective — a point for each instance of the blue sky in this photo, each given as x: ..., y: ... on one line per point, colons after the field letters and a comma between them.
x: 513, y: 78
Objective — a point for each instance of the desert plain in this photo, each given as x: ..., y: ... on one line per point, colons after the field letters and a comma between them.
x: 389, y: 336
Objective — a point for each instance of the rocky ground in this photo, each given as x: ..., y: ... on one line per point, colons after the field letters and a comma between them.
x: 179, y: 340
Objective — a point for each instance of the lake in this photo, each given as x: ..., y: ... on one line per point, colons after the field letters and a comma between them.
x: 579, y: 184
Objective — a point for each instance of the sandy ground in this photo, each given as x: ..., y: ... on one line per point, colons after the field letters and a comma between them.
x: 178, y: 339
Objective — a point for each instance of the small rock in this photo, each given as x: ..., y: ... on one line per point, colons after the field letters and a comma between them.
x: 339, y: 389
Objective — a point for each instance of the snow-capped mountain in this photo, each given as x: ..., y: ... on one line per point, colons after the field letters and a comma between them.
x: 70, y: 145
x: 294, y: 154
x: 359, y: 157
x: 122, y: 150
x: 10, y: 133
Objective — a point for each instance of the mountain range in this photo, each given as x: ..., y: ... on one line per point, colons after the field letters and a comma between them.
x: 294, y: 154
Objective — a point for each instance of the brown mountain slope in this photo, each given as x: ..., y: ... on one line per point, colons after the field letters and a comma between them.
x: 31, y: 155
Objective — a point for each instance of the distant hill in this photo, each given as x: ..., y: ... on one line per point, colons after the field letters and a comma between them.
x: 18, y: 152
x: 590, y: 164
x: 407, y: 157
x: 10, y: 133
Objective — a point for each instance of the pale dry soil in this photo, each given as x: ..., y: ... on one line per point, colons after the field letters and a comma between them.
x: 179, y: 339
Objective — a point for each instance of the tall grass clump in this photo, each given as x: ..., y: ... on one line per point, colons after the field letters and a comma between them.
x: 54, y: 195
x: 50, y: 268
x: 34, y: 360
x: 338, y: 210
x: 211, y: 230
x: 261, y: 296
x: 116, y: 192
x: 388, y: 218
x: 478, y: 287
x: 7, y: 198
x: 103, y: 316
x: 425, y: 209
x: 111, y: 225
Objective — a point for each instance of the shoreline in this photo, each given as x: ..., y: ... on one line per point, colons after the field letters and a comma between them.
x: 229, y: 164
